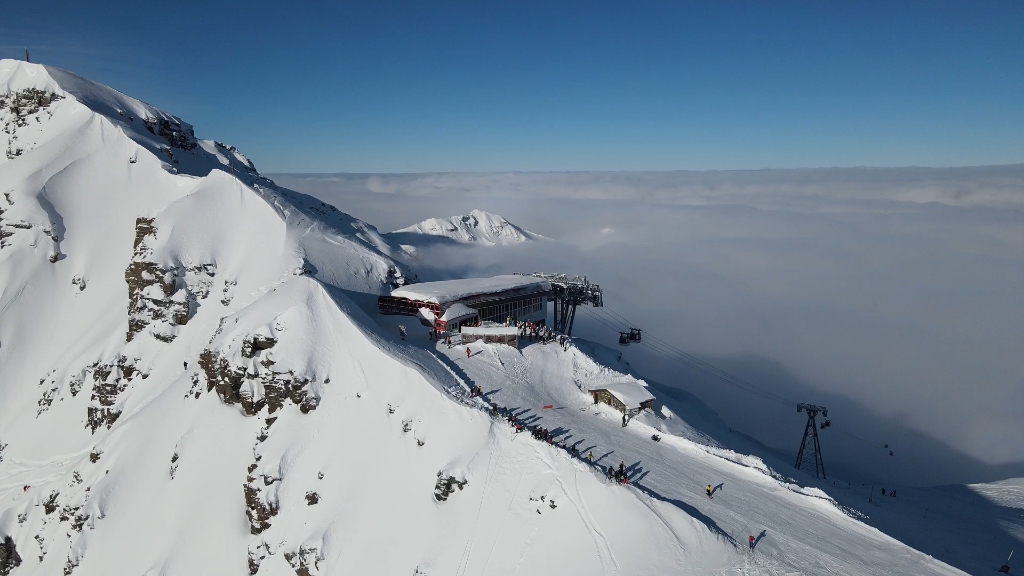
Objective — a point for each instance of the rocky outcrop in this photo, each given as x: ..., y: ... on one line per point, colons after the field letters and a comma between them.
x: 178, y: 134
x: 305, y: 561
x: 109, y: 381
x: 19, y: 108
x: 257, y: 385
x: 9, y: 558
x: 162, y: 297
x: 446, y: 486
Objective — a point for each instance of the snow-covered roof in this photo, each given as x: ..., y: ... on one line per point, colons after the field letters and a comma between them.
x: 453, y: 290
x: 456, y: 311
x: 427, y: 314
x: 491, y: 330
x: 631, y: 394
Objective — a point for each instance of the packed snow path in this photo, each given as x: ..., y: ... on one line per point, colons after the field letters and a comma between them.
x: 799, y: 529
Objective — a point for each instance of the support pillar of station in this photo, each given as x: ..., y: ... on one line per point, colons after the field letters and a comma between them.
x: 568, y: 292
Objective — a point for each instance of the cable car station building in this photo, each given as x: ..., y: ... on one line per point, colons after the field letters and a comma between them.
x: 450, y: 304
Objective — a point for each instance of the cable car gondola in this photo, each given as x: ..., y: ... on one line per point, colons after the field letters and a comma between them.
x: 634, y: 335
x: 623, y: 339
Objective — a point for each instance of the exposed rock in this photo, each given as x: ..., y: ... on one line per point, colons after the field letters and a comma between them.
x: 164, y: 297
x: 257, y: 342
x: 9, y: 558
x: 446, y: 485
x: 109, y: 381
x: 178, y: 134
x: 305, y: 562
x: 254, y: 390
x: 50, y: 505
x: 312, y: 498
x: 259, y: 509
x: 16, y: 108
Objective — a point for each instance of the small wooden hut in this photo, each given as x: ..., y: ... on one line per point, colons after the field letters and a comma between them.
x: 630, y: 398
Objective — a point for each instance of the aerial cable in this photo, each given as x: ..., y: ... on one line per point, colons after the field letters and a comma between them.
x: 709, y: 367
x: 658, y: 345
x: 702, y: 367
x: 663, y: 345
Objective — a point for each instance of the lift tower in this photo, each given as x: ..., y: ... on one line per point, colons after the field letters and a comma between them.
x: 568, y: 292
x: 814, y: 448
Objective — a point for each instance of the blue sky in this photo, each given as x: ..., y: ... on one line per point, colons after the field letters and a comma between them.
x: 502, y: 86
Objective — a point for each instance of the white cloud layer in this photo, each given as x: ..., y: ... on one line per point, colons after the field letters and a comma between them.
x: 895, y: 296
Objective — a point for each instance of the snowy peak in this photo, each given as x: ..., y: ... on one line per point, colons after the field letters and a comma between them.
x: 30, y: 94
x: 477, y: 227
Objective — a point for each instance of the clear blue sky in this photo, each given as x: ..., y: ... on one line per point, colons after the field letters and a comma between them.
x: 428, y: 85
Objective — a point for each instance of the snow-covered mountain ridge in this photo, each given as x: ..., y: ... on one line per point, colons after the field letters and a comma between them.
x: 189, y: 385
x: 478, y: 227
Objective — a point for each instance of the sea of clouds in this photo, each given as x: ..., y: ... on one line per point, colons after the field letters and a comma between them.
x: 893, y: 296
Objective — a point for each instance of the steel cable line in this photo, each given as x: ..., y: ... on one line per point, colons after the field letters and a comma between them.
x: 700, y: 367
x: 721, y: 373
x: 735, y: 380
x: 659, y: 345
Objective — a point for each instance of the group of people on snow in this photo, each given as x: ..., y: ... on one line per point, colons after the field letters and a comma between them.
x: 620, y: 475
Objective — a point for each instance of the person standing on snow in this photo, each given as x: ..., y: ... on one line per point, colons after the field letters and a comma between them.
x: 709, y: 491
x: 467, y: 351
x: 752, y: 541
x: 590, y: 456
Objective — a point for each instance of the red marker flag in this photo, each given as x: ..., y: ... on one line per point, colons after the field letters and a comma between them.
x: 549, y: 406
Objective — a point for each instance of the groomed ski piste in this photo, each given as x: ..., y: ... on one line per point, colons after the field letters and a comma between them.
x: 192, y: 382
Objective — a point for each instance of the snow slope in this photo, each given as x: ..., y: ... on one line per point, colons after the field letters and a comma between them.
x: 805, y: 531
x: 477, y: 228
x: 187, y: 386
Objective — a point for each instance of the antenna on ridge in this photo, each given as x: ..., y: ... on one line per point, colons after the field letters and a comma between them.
x: 811, y: 430
x: 27, y: 59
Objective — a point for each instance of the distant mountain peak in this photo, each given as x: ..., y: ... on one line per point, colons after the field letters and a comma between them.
x: 477, y: 227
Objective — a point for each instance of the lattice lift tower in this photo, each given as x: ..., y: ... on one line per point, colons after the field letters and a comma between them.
x: 568, y: 292
x: 814, y: 449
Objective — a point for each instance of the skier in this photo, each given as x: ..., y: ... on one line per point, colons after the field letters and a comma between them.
x: 608, y: 472
x: 752, y: 541
x: 622, y: 468
x: 467, y: 351
x: 624, y: 420
x: 590, y: 456
x: 401, y: 332
x: 709, y: 491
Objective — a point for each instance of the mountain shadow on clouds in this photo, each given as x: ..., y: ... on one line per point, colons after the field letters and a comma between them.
x: 854, y: 447
x: 970, y: 527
